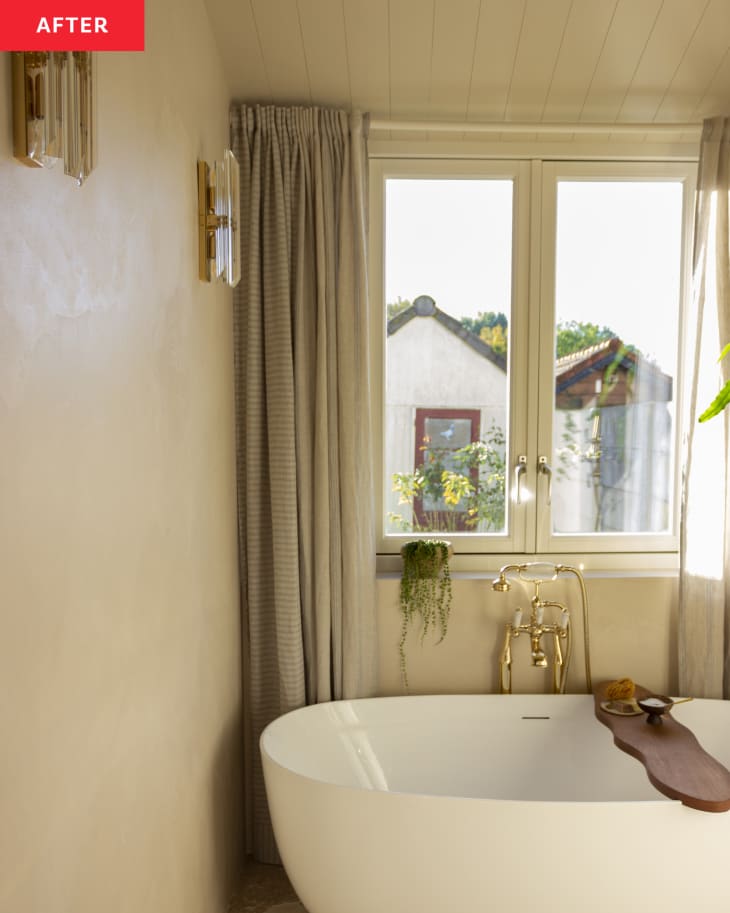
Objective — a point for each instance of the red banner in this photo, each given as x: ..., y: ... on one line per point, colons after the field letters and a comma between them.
x: 73, y: 25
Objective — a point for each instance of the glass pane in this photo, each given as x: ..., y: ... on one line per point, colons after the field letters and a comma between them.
x: 448, y: 276
x: 617, y: 316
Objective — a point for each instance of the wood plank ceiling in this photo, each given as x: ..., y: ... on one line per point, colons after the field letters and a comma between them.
x: 572, y: 61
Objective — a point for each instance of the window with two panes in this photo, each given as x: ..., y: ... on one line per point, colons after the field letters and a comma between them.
x: 531, y: 321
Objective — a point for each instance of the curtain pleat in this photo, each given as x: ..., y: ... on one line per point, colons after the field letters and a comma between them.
x: 704, y: 603
x: 306, y: 524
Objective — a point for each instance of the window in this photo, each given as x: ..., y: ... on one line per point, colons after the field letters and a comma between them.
x: 530, y: 326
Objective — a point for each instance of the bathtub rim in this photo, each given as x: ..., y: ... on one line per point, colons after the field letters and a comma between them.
x: 268, y: 758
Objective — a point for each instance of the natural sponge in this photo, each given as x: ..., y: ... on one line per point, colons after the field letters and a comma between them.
x: 620, y: 690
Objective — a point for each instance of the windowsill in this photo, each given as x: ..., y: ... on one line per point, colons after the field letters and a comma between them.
x: 605, y: 565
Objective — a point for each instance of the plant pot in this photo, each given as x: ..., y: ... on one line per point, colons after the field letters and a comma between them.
x: 426, y: 564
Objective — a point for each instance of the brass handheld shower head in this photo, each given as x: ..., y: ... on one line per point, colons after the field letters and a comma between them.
x: 501, y: 584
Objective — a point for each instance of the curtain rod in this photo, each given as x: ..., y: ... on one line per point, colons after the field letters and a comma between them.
x: 515, y: 127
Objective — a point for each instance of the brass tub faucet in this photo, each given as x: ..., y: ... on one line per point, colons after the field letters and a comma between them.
x: 558, y: 631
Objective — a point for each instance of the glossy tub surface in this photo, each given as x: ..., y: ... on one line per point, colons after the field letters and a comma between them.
x: 486, y: 802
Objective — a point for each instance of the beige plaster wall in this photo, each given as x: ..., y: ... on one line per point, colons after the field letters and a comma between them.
x: 119, y: 633
x: 632, y: 625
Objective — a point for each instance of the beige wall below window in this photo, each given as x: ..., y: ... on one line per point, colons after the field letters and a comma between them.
x: 632, y: 626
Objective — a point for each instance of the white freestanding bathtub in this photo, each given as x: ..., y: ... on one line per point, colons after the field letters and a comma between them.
x: 471, y: 804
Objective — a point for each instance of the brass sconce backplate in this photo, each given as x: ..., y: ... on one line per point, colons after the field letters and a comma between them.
x: 219, y: 255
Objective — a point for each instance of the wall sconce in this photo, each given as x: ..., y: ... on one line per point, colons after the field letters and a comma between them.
x: 219, y: 245
x: 53, y: 116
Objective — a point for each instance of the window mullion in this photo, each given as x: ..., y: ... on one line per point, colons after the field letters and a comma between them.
x: 534, y: 376
x: 544, y: 216
x: 522, y: 514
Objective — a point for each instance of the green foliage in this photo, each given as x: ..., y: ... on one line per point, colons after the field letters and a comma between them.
x: 722, y: 399
x: 395, y: 307
x: 446, y: 478
x: 495, y: 337
x: 488, y: 319
x: 574, y: 335
x: 425, y: 591
x: 570, y: 453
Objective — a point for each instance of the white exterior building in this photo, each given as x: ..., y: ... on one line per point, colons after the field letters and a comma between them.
x: 436, y: 366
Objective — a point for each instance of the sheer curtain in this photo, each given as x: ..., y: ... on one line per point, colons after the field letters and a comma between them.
x: 306, y: 524
x: 704, y: 595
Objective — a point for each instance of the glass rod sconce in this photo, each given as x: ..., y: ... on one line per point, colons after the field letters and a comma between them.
x: 219, y: 246
x: 53, y: 110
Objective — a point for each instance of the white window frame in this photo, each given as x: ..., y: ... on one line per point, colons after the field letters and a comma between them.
x: 516, y: 432
x: 552, y: 173
x: 531, y: 360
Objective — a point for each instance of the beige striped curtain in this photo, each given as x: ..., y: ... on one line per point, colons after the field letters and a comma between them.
x: 704, y: 585
x: 303, y: 422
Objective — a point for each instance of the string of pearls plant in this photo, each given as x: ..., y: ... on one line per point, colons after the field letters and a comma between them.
x: 425, y: 591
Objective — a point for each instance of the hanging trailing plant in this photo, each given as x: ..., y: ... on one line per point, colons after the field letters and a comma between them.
x: 425, y: 590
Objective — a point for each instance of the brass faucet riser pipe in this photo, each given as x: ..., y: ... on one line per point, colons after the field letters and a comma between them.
x: 505, y: 663
x: 560, y: 669
x: 586, y: 637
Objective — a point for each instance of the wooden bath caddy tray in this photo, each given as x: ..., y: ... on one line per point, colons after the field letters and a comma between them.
x: 675, y: 762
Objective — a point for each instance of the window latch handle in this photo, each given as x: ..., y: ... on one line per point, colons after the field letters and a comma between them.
x: 544, y: 468
x: 520, y: 470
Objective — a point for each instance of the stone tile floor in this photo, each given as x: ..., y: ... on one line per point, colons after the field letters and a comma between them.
x: 265, y: 889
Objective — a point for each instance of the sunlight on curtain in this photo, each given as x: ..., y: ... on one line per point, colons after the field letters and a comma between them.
x: 704, y: 604
x: 705, y: 515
